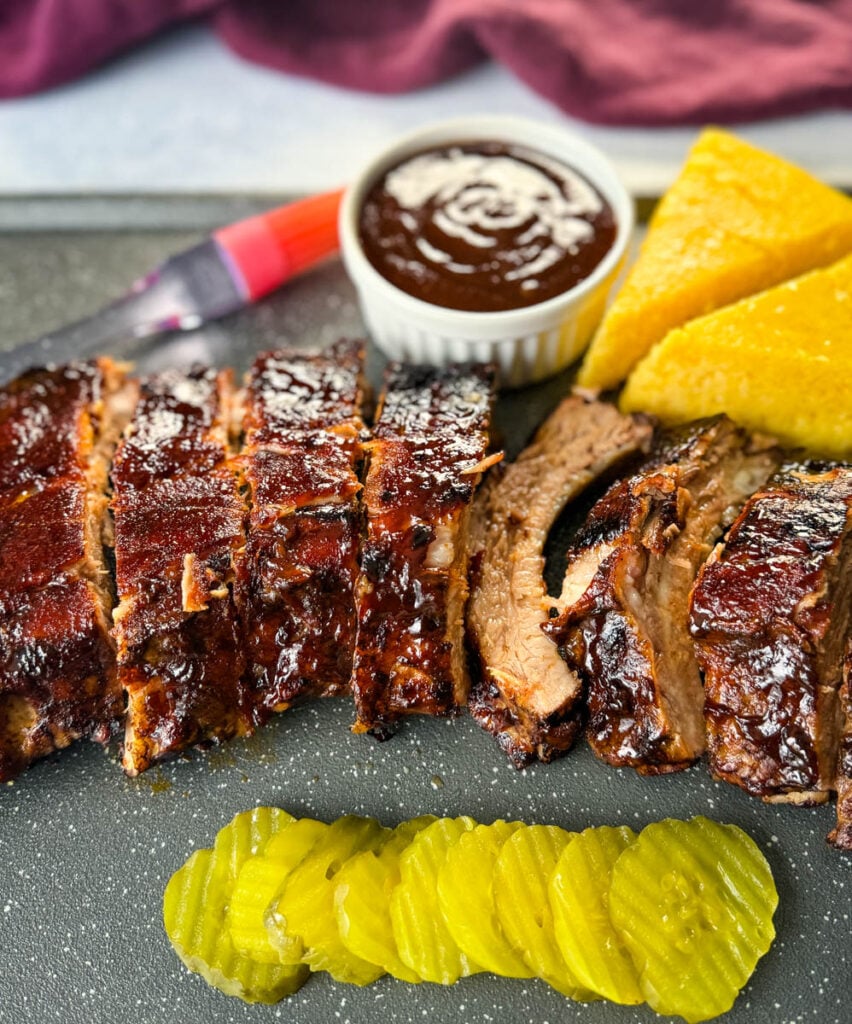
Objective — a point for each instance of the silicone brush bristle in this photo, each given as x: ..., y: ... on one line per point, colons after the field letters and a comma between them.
x: 267, y: 250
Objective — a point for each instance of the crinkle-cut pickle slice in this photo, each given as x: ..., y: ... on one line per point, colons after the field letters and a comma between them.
x: 422, y: 938
x: 466, y: 898
x: 305, y: 908
x: 693, y: 901
x: 194, y: 908
x: 246, y: 834
x: 259, y: 882
x: 405, y: 831
x: 579, y: 900
x: 521, y: 876
x: 193, y: 915
x: 362, y: 900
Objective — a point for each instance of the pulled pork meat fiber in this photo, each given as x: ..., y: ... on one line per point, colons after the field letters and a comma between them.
x: 526, y: 695
x: 841, y: 837
x: 178, y: 530
x: 296, y: 580
x: 771, y: 616
x: 58, y: 429
x: 426, y: 459
x: 626, y: 592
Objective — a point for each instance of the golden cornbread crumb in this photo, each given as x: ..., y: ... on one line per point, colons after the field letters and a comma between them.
x: 736, y: 221
x: 779, y: 362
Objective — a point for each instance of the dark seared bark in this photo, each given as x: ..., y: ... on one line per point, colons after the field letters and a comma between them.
x: 626, y: 591
x: 525, y: 694
x: 427, y: 457
x: 179, y: 525
x: 57, y: 661
x: 303, y: 447
x: 770, y: 615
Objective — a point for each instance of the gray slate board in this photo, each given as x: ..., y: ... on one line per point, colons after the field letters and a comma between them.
x: 85, y: 853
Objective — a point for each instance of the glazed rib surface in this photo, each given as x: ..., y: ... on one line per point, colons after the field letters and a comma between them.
x: 303, y: 447
x: 426, y: 459
x: 526, y: 695
x: 57, y: 664
x: 178, y: 529
x: 626, y: 591
x: 770, y: 613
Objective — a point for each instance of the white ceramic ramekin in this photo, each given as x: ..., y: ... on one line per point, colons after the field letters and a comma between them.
x: 527, y: 344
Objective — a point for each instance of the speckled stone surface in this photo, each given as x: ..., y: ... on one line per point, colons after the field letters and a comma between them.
x: 85, y: 853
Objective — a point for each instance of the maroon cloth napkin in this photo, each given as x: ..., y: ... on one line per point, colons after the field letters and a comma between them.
x: 610, y: 61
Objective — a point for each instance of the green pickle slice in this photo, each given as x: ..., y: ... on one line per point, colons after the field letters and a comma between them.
x: 362, y: 900
x: 305, y: 909
x: 694, y: 902
x: 522, y: 873
x: 195, y: 904
x: 246, y: 834
x: 466, y: 898
x: 579, y: 899
x: 259, y: 882
x: 424, y: 942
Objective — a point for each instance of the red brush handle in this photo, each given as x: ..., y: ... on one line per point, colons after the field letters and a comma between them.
x: 269, y: 249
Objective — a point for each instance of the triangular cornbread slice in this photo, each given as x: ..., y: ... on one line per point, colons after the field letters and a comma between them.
x: 736, y: 221
x: 779, y: 362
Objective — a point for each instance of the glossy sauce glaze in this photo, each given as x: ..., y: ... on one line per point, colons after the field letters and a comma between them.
x: 485, y: 227
x: 179, y: 526
x: 630, y: 570
x: 44, y: 422
x: 296, y: 578
x: 57, y: 665
x: 426, y: 458
x: 770, y: 616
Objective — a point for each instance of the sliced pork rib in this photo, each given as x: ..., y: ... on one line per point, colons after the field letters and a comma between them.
x: 771, y: 614
x: 427, y: 457
x: 626, y: 591
x: 841, y: 837
x: 303, y: 446
x: 526, y: 695
x: 57, y: 664
x: 178, y: 530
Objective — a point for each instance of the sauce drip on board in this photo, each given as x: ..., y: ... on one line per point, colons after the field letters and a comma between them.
x: 485, y: 227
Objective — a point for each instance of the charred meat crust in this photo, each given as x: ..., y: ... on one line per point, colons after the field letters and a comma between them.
x: 624, y: 625
x: 303, y: 448
x: 425, y: 461
x: 57, y: 661
x: 178, y: 529
x: 770, y: 614
x: 525, y: 694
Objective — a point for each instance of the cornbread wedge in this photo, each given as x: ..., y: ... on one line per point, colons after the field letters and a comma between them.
x: 735, y: 222
x: 779, y: 362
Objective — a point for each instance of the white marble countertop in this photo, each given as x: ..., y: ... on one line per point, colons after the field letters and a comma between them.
x: 182, y: 115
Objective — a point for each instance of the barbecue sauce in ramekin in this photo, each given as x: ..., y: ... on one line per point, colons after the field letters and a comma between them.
x: 484, y: 226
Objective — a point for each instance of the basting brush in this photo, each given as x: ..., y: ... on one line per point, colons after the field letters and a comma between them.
x: 234, y: 267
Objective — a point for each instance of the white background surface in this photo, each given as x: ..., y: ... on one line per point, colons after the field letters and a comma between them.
x: 184, y: 115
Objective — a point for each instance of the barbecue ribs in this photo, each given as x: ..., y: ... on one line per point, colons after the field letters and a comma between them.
x: 526, y: 694
x: 179, y: 525
x: 771, y: 613
x: 427, y: 456
x: 626, y: 590
x: 296, y: 581
x: 58, y: 429
x: 841, y: 837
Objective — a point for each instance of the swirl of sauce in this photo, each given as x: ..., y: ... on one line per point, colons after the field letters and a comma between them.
x: 484, y: 226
